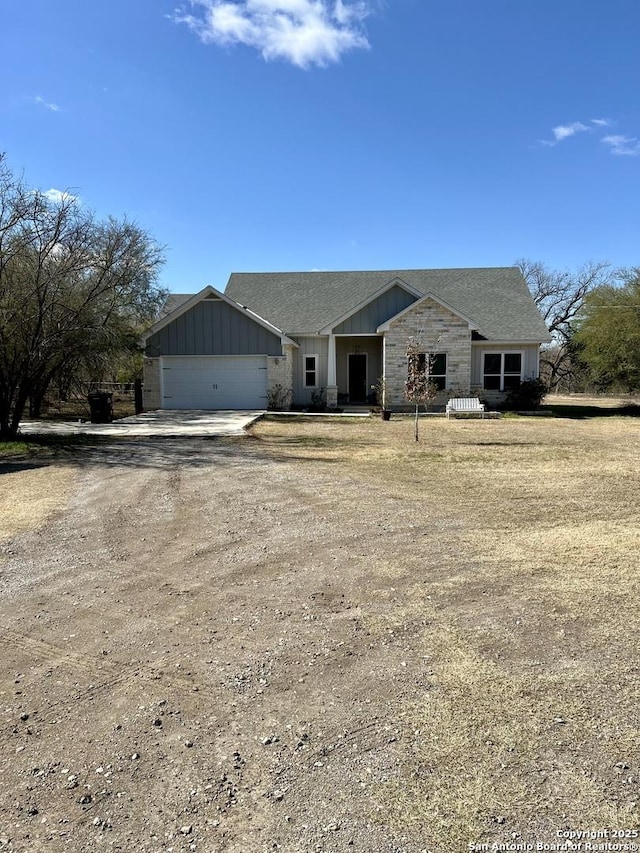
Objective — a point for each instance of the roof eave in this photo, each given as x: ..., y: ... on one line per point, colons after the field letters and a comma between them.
x: 512, y: 343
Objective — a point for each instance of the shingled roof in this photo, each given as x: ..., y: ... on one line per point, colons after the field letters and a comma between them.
x: 174, y: 301
x: 496, y: 299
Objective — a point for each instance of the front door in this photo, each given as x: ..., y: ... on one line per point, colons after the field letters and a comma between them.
x: 358, y: 378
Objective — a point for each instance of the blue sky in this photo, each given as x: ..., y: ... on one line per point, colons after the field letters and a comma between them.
x: 313, y: 134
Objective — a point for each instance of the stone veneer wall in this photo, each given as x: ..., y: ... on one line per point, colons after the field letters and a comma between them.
x: 280, y: 371
x: 427, y: 322
x: 491, y: 399
x: 151, y: 388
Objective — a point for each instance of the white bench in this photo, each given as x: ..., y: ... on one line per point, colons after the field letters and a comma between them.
x: 465, y: 406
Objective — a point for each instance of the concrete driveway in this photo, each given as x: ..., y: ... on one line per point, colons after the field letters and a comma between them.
x: 149, y: 424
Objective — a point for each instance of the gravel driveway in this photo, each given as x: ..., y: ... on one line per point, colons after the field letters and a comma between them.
x: 196, y: 655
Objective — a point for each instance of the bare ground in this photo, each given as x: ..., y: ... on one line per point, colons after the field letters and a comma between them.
x: 327, y: 638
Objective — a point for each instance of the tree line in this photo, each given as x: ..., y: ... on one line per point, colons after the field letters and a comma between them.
x: 593, y: 315
x: 75, y: 293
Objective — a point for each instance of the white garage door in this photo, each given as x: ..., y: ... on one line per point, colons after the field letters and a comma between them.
x: 214, y: 382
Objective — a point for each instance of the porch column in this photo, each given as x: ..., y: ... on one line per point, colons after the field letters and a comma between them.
x: 332, y: 388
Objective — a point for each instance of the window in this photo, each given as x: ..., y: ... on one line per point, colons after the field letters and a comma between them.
x: 438, y: 373
x: 310, y: 370
x: 502, y: 370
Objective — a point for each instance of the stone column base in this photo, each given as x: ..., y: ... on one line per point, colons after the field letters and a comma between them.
x: 332, y: 396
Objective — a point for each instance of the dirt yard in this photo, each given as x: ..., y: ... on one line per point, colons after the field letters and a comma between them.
x: 324, y: 637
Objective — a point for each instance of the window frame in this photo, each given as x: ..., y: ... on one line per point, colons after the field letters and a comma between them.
x: 502, y: 354
x: 439, y: 379
x: 306, y: 371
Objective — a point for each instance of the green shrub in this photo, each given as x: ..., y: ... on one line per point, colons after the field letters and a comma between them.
x: 527, y: 396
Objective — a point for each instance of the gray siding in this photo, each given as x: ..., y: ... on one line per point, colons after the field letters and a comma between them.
x: 319, y: 346
x: 367, y: 320
x: 529, y: 359
x: 212, y: 327
x: 309, y: 346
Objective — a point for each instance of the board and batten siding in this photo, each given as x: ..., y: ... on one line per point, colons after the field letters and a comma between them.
x: 213, y: 327
x: 378, y: 311
x: 309, y: 346
x: 530, y: 362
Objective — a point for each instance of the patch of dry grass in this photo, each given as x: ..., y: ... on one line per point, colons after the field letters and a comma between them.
x: 500, y: 749
x: 28, y: 497
x: 531, y: 720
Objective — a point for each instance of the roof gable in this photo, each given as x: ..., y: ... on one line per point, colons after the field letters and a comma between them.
x: 187, y: 302
x: 367, y: 316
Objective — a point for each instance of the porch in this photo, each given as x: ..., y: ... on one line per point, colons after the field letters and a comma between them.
x: 354, y: 366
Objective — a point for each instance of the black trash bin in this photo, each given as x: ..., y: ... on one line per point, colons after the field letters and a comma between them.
x: 101, y: 405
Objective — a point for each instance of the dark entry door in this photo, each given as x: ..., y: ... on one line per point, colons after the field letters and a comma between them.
x: 358, y: 378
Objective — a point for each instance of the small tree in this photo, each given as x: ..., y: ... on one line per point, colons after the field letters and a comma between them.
x: 419, y: 388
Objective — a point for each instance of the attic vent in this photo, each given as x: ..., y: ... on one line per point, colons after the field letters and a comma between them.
x: 213, y: 297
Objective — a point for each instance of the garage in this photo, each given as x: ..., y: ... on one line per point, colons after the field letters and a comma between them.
x: 214, y: 382
x: 208, y: 352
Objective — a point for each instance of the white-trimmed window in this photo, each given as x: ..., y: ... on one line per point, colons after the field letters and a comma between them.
x: 310, y: 371
x: 438, y: 372
x: 502, y: 371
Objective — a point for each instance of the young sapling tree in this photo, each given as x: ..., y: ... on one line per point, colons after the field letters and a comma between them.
x: 420, y: 389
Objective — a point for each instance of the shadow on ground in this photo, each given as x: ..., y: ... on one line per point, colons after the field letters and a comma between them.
x: 134, y: 452
x: 14, y: 466
x: 582, y: 412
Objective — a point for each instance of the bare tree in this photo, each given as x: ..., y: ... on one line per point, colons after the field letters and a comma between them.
x: 560, y: 295
x: 74, y: 291
x: 419, y: 387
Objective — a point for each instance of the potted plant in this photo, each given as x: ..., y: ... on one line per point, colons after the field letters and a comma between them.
x: 380, y: 392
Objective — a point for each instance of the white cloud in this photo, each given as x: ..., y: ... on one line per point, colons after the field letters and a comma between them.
x: 303, y: 32
x: 57, y: 196
x: 564, y: 131
x: 41, y: 101
x: 623, y: 145
x: 619, y: 144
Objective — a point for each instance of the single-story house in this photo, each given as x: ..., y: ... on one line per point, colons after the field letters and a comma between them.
x: 298, y: 337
